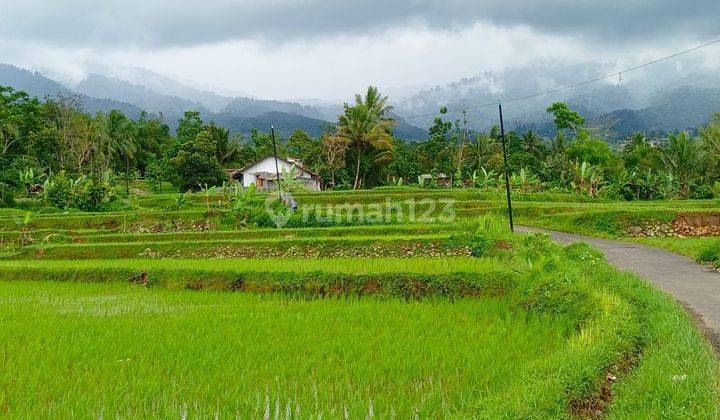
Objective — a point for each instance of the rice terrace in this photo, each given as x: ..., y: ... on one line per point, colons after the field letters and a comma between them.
x: 516, y: 216
x: 140, y: 312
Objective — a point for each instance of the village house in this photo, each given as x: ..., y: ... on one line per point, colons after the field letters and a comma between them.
x: 262, y: 173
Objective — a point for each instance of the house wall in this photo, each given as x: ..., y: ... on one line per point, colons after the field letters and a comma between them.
x: 268, y: 165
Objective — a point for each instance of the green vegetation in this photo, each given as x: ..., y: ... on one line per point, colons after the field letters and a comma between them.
x: 533, y: 332
x: 56, y: 155
x: 136, y: 280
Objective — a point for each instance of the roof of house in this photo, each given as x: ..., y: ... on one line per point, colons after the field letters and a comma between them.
x: 233, y: 172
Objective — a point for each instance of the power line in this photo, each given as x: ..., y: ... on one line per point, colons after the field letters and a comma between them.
x: 573, y: 86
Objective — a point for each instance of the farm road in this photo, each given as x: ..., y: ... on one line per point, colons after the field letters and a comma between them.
x: 693, y: 284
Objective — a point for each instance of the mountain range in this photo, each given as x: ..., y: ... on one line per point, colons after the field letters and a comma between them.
x: 659, y: 99
x: 169, y: 98
x: 668, y: 98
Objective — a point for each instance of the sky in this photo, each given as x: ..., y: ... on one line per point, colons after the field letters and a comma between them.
x: 330, y: 49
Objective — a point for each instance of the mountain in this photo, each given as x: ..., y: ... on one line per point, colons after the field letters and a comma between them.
x: 99, y: 86
x: 167, y: 86
x: 35, y: 84
x: 253, y: 107
x: 239, y: 114
x: 285, y: 123
x: 666, y: 97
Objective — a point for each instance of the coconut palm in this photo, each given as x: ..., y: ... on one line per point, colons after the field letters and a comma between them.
x: 226, y: 146
x: 481, y: 151
x: 711, y: 136
x: 366, y: 127
x: 532, y: 144
x: 683, y: 157
x: 120, y: 133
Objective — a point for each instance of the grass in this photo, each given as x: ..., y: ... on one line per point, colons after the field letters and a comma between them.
x: 384, y: 323
x: 563, y: 327
x: 100, y: 349
x: 308, y: 247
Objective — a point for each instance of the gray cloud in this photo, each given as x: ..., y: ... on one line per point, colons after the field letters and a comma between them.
x: 170, y: 23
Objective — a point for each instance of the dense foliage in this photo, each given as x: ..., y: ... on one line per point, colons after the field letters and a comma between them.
x: 52, y: 141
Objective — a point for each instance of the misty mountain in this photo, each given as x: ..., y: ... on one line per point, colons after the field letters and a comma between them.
x: 167, y: 86
x: 99, y: 86
x: 35, y: 84
x: 253, y: 107
x: 99, y: 93
x: 665, y: 97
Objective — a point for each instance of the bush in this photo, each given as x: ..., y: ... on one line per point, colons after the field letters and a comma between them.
x: 94, y: 193
x: 57, y: 191
x: 709, y: 253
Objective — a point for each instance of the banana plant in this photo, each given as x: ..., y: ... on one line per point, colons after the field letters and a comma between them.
x: 207, y: 192
x: 24, y: 224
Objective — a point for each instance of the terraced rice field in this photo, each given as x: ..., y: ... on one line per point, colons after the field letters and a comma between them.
x: 152, y: 313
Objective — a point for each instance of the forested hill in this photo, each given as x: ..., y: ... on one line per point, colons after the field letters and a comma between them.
x: 662, y: 99
x: 35, y: 84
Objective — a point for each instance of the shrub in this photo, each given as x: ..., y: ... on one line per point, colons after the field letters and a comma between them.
x: 709, y: 253
x: 57, y: 190
x: 94, y: 193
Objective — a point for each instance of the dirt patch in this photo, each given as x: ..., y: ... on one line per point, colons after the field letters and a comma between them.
x: 595, y: 406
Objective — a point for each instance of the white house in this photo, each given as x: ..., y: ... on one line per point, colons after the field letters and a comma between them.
x: 263, y: 173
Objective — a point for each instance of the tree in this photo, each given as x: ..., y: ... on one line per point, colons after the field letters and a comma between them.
x: 366, y: 127
x: 566, y: 117
x: 710, y: 135
x: 197, y: 165
x: 299, y: 140
x: 682, y: 157
x: 528, y: 151
x: 151, y: 141
x: 335, y: 148
x: 438, y: 153
x: 638, y: 154
x: 121, y: 133
x: 189, y: 126
x: 484, y: 152
x: 227, y: 147
x: 595, y: 152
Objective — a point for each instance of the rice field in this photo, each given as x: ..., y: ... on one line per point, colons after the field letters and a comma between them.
x: 112, y: 348
x: 153, y: 313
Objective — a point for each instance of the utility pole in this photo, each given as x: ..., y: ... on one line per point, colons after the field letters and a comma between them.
x: 277, y: 170
x: 507, y: 172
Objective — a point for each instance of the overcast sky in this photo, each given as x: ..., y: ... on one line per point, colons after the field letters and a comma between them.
x: 330, y: 49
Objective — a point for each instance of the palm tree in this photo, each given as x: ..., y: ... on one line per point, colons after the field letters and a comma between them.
x: 683, y: 157
x: 121, y: 133
x: 711, y: 135
x: 532, y: 144
x: 481, y: 151
x: 366, y: 126
x: 225, y: 145
x: 635, y: 142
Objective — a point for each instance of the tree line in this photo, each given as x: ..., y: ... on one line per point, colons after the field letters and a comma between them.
x: 55, y: 143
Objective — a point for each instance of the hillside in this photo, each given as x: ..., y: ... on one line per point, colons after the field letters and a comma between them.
x: 99, y: 86
x: 35, y: 84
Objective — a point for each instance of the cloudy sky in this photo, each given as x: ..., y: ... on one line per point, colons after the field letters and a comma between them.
x: 331, y: 48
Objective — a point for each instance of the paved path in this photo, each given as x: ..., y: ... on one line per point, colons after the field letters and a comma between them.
x: 693, y: 284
